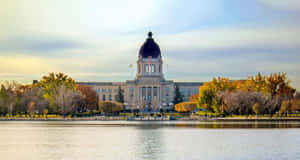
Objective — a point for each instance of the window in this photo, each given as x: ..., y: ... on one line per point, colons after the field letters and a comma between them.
x: 149, y: 93
x: 131, y: 90
x: 155, y: 91
x: 158, y: 68
x: 98, y: 91
x: 109, y: 90
x: 188, y: 92
x: 109, y: 98
x: 152, y: 68
x: 149, y: 68
x: 103, y: 97
x: 143, y: 92
x: 167, y: 99
x: 103, y: 90
x: 167, y: 90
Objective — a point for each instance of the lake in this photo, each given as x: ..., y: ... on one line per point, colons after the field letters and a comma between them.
x: 121, y: 140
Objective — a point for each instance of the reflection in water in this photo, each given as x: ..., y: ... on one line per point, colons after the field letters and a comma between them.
x: 150, y: 142
x: 240, y: 125
x: 162, y: 124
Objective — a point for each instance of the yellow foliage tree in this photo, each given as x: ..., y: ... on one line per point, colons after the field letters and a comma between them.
x: 256, y: 83
x: 208, y: 92
x: 51, y: 84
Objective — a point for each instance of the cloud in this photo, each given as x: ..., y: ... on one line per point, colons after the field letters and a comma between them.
x: 283, y: 36
x: 40, y: 44
x: 25, y: 64
x: 282, y: 4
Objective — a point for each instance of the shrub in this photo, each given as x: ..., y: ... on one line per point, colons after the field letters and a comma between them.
x: 110, y: 106
x: 257, y: 108
x: 185, y: 106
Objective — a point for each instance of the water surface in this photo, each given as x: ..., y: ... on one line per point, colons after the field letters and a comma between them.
x: 114, y: 140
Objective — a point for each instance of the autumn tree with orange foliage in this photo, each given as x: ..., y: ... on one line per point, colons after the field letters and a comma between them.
x: 279, y: 85
x: 194, y: 98
x: 90, y: 97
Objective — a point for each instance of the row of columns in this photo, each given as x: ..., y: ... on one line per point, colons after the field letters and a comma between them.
x: 149, y: 98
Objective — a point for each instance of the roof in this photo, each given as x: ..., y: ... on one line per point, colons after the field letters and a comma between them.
x: 189, y: 83
x: 150, y: 48
x: 102, y: 83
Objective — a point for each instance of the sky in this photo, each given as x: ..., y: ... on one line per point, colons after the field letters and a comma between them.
x: 97, y: 40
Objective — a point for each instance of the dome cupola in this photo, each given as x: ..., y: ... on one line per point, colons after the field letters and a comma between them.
x: 150, y: 48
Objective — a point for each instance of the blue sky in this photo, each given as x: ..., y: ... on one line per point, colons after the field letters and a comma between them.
x: 96, y: 40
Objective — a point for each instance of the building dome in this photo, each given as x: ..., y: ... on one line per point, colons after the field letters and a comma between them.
x: 150, y: 48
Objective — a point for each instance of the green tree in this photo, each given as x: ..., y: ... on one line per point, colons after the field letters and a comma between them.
x: 178, y: 97
x: 120, y: 96
x: 206, y: 97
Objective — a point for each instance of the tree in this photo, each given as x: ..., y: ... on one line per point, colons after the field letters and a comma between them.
x: 295, y: 105
x: 45, y: 112
x: 272, y: 105
x: 8, y: 96
x: 178, y: 97
x: 90, y: 98
x: 297, y: 95
x: 67, y: 100
x: 242, y: 102
x: 208, y: 92
x: 194, y: 98
x: 286, y: 106
x: 31, y: 108
x: 51, y: 84
x: 278, y: 84
x: 206, y: 97
x: 256, y: 84
x: 120, y: 96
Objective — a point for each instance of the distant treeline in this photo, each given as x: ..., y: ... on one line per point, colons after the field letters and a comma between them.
x: 54, y: 94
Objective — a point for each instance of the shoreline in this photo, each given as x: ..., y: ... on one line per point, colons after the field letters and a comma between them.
x: 285, y: 119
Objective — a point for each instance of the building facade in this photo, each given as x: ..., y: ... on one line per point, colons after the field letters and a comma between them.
x: 149, y: 90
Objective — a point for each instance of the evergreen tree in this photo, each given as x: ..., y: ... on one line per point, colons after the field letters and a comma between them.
x: 178, y: 96
x: 120, y: 96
